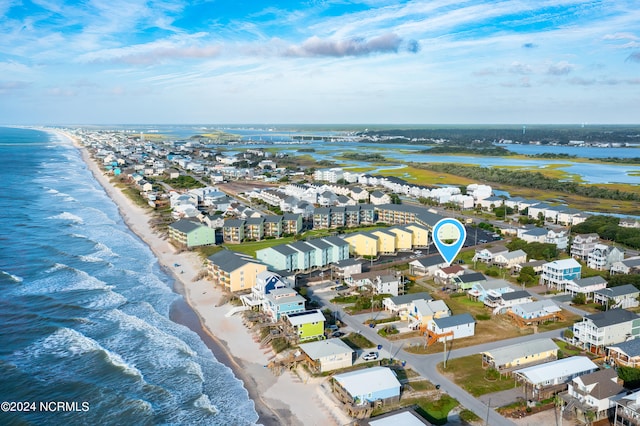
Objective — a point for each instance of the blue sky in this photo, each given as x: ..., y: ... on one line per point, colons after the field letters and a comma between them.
x: 316, y: 61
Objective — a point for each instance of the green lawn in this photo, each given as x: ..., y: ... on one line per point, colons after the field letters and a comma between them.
x: 467, y: 372
x: 250, y: 247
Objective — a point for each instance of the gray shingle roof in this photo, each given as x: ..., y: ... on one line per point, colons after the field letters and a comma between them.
x: 630, y: 347
x: 621, y: 290
x: 611, y: 317
x: 454, y: 320
x: 185, y: 226
x: 229, y: 261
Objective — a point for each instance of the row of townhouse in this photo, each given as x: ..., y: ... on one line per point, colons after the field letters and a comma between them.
x: 257, y: 228
x: 305, y: 256
x: 387, y: 241
x: 338, y: 217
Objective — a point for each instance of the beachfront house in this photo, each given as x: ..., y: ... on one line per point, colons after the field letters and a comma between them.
x: 307, y: 325
x: 526, y: 353
x: 191, y: 234
x: 422, y: 312
x: 606, y: 328
x: 234, y: 271
x: 545, y: 380
x: 283, y: 301
x: 328, y: 355
x: 368, y: 385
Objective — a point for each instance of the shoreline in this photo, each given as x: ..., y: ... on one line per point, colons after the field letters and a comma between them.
x: 187, y: 311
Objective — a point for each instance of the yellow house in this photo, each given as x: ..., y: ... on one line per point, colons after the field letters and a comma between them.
x: 234, y: 271
x: 422, y: 312
x: 534, y: 351
x: 404, y: 237
x: 362, y: 244
x: 386, y: 241
x: 420, y: 235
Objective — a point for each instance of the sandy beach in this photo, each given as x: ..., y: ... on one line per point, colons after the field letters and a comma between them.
x: 288, y: 399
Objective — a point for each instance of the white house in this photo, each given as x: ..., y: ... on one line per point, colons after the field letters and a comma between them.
x: 602, y: 257
x: 328, y: 355
x: 627, y: 266
x: 596, y: 392
x: 586, y: 286
x: 623, y: 296
x: 367, y: 385
x: 543, y: 380
x: 462, y: 325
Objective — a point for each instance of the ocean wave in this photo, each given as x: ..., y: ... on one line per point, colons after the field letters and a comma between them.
x: 65, y: 278
x: 68, y: 216
x: 159, y: 339
x: 12, y: 277
x: 108, y: 300
x: 104, y: 250
x: 69, y: 343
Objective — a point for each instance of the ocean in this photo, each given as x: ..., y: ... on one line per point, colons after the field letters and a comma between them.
x: 86, y: 335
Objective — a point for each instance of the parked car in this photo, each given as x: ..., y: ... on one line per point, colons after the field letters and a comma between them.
x: 337, y: 334
x: 333, y: 327
x: 370, y: 356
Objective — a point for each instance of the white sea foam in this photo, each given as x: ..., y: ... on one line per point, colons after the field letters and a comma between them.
x: 69, y: 343
x: 65, y: 278
x: 195, y: 369
x: 104, y: 251
x: 205, y: 403
x: 68, y: 216
x: 108, y: 300
x: 12, y: 277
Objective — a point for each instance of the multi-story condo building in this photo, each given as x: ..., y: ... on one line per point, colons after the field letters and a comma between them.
x: 233, y: 231
x: 234, y: 271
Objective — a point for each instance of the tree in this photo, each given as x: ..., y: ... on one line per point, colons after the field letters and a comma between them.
x: 579, y: 299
